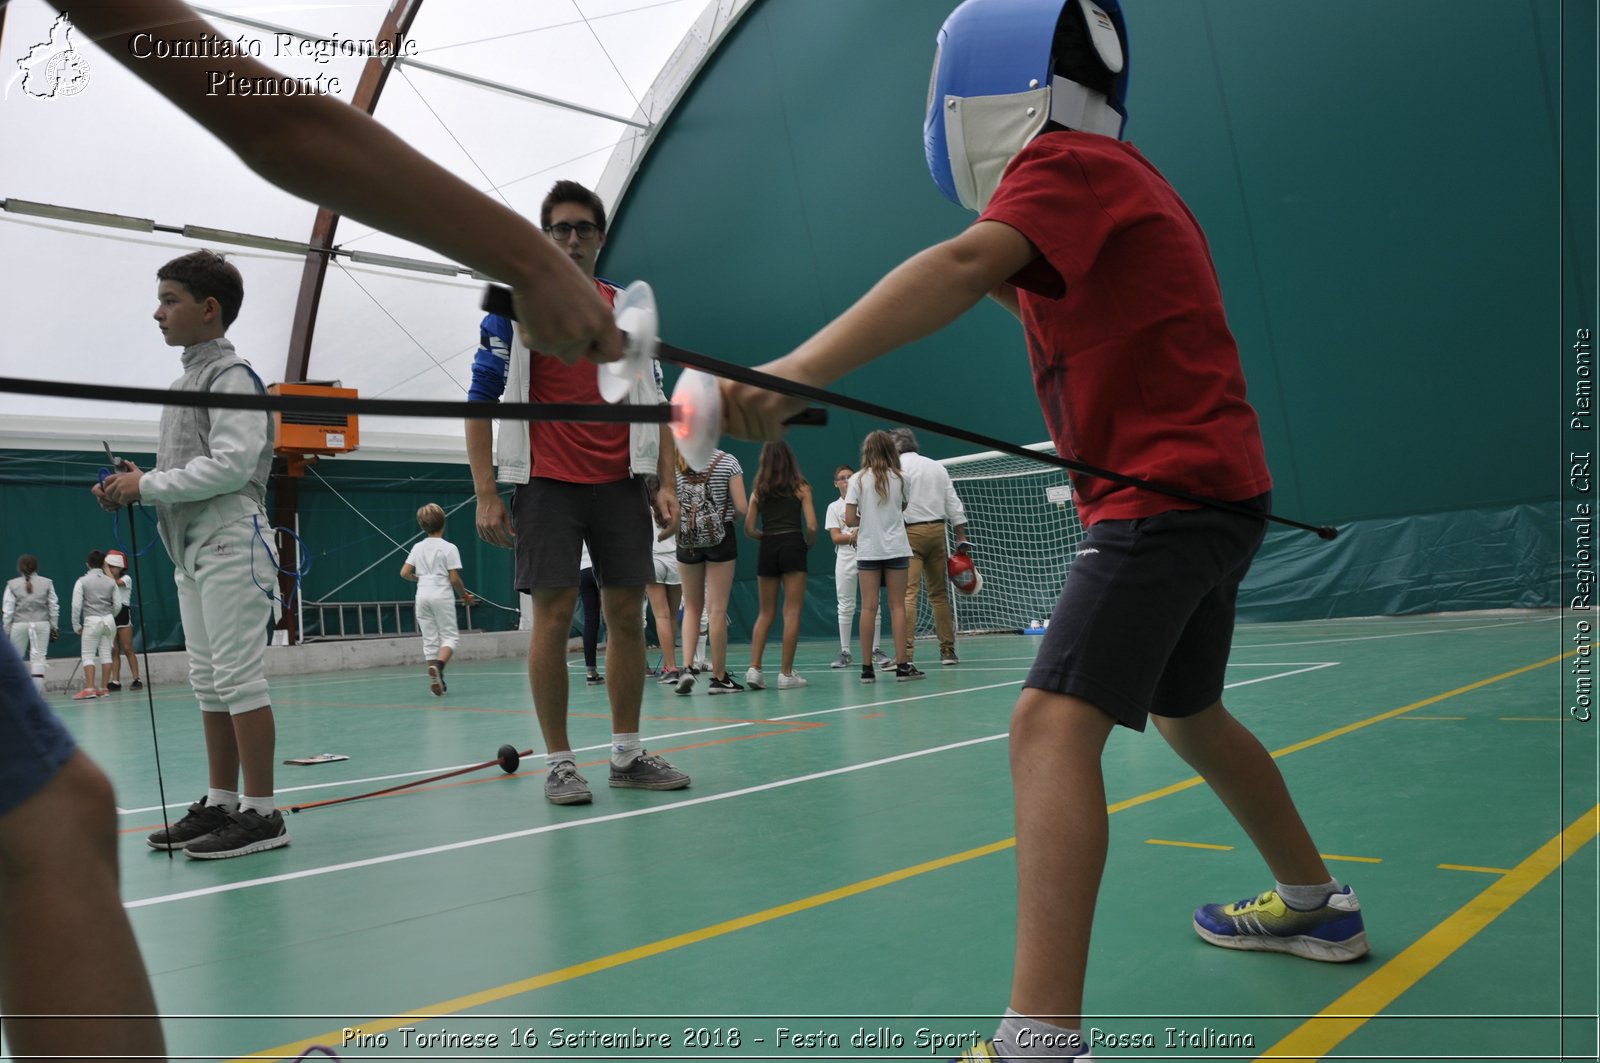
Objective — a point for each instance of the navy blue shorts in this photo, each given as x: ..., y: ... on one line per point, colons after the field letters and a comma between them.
x: 554, y: 519
x: 33, y: 743
x: 884, y: 564
x: 1145, y: 622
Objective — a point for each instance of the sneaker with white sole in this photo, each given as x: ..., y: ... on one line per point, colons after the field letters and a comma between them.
x: 200, y: 820
x: 726, y: 685
x: 564, y: 786
x: 1333, y: 932
x: 669, y: 677
x: 247, y: 831
x: 435, y: 680
x: 841, y: 661
x: 868, y: 674
x: 905, y: 671
x: 949, y: 658
x: 85, y: 694
x: 648, y: 772
x: 882, y: 660
x: 790, y: 681
x: 754, y: 679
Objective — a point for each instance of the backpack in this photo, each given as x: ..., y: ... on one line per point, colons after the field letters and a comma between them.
x: 700, y: 524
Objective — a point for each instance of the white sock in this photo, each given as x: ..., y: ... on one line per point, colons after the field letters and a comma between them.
x: 844, y: 634
x: 38, y: 683
x: 625, y: 749
x: 1020, y: 1037
x: 1308, y: 898
x: 261, y: 806
x: 228, y: 799
x: 551, y: 759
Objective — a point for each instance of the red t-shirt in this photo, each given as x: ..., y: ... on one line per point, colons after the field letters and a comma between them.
x: 575, y: 453
x: 1132, y: 359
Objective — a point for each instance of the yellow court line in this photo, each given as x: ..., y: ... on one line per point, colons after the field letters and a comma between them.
x: 1190, y: 845
x: 655, y: 948
x: 1470, y: 867
x: 1352, y: 859
x: 1436, y: 717
x: 1320, y: 1035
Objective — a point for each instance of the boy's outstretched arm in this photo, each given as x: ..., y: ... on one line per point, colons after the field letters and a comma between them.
x: 918, y: 298
x: 325, y: 151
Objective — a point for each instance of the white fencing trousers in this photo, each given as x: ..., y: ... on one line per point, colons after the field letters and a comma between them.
x: 436, y: 621
x: 32, y: 640
x: 225, y: 608
x: 845, y: 588
x: 99, y: 635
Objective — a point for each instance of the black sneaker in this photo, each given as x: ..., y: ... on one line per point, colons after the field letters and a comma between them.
x: 112, y: 684
x: 906, y: 670
x: 246, y: 832
x: 202, y: 819
x: 595, y: 679
x: 136, y: 685
x: 868, y: 675
x: 726, y: 685
x: 686, y: 681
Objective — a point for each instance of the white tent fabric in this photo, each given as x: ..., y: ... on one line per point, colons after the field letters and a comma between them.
x: 475, y: 96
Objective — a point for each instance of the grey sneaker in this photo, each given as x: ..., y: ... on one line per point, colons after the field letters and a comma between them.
x: 949, y: 658
x: 564, y: 786
x: 841, y: 661
x: 882, y: 660
x: 247, y: 831
x: 201, y: 819
x: 686, y: 681
x: 649, y: 773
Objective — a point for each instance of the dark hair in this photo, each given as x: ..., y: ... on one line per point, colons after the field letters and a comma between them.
x: 572, y: 192
x: 96, y: 559
x: 207, y: 275
x: 778, y: 473
x: 905, y: 440
x: 27, y: 565
x: 842, y: 468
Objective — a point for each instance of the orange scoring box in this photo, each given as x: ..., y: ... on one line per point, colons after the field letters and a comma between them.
x: 297, y: 432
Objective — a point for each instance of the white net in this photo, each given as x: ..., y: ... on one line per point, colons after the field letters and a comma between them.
x: 1024, y: 528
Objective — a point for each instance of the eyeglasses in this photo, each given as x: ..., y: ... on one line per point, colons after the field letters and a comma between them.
x: 586, y: 230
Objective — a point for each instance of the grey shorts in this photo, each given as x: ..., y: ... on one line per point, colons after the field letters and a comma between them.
x: 554, y: 519
x: 33, y: 743
x: 1145, y: 621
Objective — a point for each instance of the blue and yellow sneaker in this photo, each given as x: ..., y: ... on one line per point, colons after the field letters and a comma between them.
x: 1333, y: 933
x: 982, y: 1052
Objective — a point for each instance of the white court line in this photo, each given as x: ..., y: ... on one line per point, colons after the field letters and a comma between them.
x: 1393, y: 635
x: 732, y: 725
x: 613, y: 817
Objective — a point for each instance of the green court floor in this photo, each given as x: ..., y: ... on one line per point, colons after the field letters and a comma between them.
x: 838, y: 883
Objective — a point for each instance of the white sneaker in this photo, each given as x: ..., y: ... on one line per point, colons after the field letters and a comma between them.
x: 789, y: 680
x: 754, y: 679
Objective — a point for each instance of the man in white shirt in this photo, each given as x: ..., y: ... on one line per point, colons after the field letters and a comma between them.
x: 933, y: 502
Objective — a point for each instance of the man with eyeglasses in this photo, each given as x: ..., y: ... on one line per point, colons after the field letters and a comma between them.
x: 577, y: 485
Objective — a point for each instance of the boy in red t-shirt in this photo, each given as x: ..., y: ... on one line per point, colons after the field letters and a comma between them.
x: 1135, y: 369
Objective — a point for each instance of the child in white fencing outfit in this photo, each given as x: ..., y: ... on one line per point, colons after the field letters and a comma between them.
x: 434, y: 565
x: 209, y: 491
x: 31, y: 608
x: 96, y: 598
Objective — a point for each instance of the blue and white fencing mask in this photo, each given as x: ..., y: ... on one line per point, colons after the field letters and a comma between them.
x: 1006, y: 68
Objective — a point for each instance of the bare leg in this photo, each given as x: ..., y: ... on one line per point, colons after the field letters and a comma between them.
x: 794, y: 600
x: 767, y: 591
x: 894, y: 581
x: 694, y: 603
x: 870, y: 580
x: 624, y: 656
x: 66, y: 947
x: 547, y: 663
x: 256, y: 738
x: 222, y: 752
x: 719, y: 581
x: 1056, y: 742
x: 664, y: 607
x: 1241, y: 771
